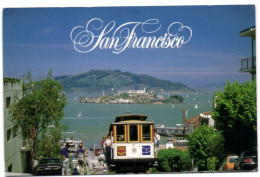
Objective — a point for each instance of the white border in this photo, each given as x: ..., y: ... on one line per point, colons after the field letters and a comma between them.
x: 91, y: 3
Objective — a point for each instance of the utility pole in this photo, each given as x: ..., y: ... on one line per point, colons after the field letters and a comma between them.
x: 184, y: 114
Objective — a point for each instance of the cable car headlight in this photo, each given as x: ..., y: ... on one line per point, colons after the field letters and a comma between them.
x: 134, y: 150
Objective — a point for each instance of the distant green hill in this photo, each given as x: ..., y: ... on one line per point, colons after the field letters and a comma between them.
x: 114, y: 80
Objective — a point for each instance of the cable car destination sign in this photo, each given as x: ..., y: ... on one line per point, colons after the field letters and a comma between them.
x: 135, y: 35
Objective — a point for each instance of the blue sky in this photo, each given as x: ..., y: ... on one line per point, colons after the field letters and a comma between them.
x: 38, y: 39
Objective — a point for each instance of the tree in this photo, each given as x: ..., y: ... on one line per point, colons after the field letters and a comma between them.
x: 42, y: 105
x: 206, y: 145
x: 49, y: 144
x: 235, y: 116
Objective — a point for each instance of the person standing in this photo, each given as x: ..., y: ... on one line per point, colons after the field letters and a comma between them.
x: 102, y: 143
x: 108, y: 144
x: 157, y: 138
x: 65, y: 160
x: 103, y: 147
x: 81, y: 158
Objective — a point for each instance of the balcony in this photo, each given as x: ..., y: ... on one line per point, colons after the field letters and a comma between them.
x: 248, y: 65
x: 27, y: 145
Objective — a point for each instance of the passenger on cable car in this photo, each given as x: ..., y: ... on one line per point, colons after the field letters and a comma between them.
x: 121, y: 138
x: 157, y: 138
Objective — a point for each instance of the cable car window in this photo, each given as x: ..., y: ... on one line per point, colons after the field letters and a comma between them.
x: 146, y: 132
x: 133, y: 132
x: 120, y: 133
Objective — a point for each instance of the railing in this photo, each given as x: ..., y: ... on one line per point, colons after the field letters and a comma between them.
x: 27, y: 145
x: 248, y: 64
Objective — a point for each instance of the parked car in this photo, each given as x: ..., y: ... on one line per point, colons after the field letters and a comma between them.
x: 228, y: 163
x: 50, y: 166
x: 246, y: 161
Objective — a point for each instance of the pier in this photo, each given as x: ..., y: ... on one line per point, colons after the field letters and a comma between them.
x: 177, y: 131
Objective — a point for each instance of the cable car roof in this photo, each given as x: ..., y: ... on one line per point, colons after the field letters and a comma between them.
x: 131, y: 117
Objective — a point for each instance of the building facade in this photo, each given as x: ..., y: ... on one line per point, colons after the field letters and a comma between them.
x: 15, y: 152
x: 249, y: 64
x: 200, y: 119
x: 132, y: 91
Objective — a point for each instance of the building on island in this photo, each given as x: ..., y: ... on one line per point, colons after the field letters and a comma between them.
x: 249, y: 64
x: 132, y: 91
x: 16, y: 149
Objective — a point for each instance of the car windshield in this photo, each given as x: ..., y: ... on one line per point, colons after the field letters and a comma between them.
x: 43, y: 161
x: 233, y: 159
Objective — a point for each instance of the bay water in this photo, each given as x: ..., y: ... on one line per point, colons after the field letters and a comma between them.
x: 94, y: 121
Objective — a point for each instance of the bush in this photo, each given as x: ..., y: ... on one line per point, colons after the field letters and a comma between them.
x: 174, y: 160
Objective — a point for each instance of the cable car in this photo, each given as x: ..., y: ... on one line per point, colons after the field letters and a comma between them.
x: 133, y: 143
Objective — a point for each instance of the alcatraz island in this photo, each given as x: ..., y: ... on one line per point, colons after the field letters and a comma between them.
x: 133, y: 98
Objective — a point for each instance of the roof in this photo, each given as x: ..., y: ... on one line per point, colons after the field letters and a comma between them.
x: 248, y: 32
x: 130, y: 117
x: 206, y: 113
x: 196, y: 120
x: 193, y: 120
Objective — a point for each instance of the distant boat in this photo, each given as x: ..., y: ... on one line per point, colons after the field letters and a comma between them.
x: 80, y: 114
x: 194, y: 99
x: 187, y: 96
x: 172, y: 106
x: 196, y: 106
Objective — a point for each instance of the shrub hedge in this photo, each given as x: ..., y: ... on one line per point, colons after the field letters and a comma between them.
x: 173, y: 160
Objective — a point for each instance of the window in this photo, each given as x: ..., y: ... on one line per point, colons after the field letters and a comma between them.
x: 120, y: 133
x: 146, y: 132
x: 8, y: 102
x: 133, y: 132
x: 9, y: 133
x: 10, y: 168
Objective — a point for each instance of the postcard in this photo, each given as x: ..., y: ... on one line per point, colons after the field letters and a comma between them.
x: 129, y: 90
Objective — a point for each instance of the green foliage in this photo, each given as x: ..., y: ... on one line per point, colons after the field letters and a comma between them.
x: 99, y: 80
x: 12, y: 80
x: 205, y: 144
x: 49, y: 144
x: 106, y: 98
x: 170, y: 160
x: 42, y: 105
x: 174, y: 99
x: 122, y: 95
x: 125, y: 95
x: 212, y: 163
x: 235, y: 115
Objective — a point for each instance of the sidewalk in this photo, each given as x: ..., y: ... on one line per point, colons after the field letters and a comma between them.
x: 95, y: 165
x: 17, y: 174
